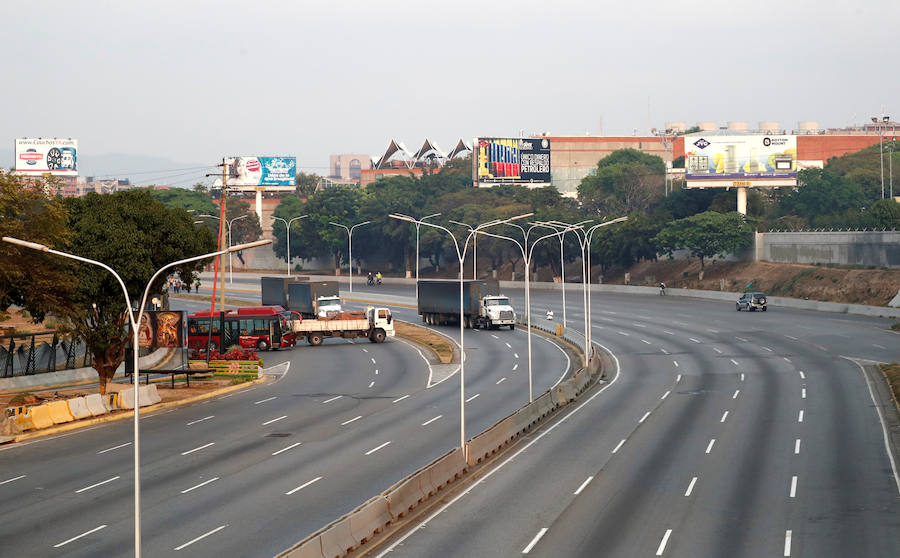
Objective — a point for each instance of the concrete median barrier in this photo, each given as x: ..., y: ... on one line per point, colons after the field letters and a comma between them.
x: 111, y: 401
x: 146, y: 393
x: 488, y: 442
x: 369, y: 519
x: 447, y: 469
x: 337, y: 539
x: 95, y: 405
x: 310, y: 548
x: 59, y: 412
x: 40, y: 416
x: 565, y: 392
x: 404, y: 496
x: 149, y: 395
x: 78, y: 407
x: 544, y: 404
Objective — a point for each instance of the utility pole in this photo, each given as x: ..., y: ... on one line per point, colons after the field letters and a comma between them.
x: 222, y: 241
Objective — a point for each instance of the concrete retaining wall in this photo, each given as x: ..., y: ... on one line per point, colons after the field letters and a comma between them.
x: 878, y: 249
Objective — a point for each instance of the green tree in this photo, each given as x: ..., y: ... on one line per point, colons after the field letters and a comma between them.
x: 884, y: 214
x: 625, y: 244
x: 193, y: 201
x: 706, y: 235
x: 624, y: 182
x: 301, y: 242
x: 339, y: 205
x: 821, y: 192
x: 306, y: 184
x: 135, y: 234
x: 38, y: 282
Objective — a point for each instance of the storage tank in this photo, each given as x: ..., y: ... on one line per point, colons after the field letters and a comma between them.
x: 738, y: 126
x: 808, y: 127
x: 707, y: 126
x: 770, y: 127
x: 675, y: 127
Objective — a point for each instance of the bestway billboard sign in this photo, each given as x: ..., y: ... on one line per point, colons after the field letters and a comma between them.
x: 56, y: 156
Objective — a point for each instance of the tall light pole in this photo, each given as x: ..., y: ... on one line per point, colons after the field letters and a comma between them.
x: 474, y: 248
x: 418, y: 224
x: 287, y: 231
x: 134, y: 321
x: 350, y: 242
x: 556, y: 225
x: 461, y: 256
x: 880, y: 130
x: 229, y: 223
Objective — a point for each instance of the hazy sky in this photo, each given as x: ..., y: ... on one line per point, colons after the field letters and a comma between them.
x: 194, y: 81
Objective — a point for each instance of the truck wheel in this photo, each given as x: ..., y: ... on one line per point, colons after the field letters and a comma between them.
x: 512, y: 327
x: 262, y: 345
x: 315, y: 339
x: 377, y: 336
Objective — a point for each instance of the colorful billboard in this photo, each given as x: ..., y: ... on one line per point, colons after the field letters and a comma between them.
x: 262, y: 171
x: 740, y: 157
x: 161, y: 330
x: 512, y: 160
x: 56, y: 156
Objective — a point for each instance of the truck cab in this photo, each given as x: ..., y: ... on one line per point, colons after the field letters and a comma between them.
x: 496, y: 311
x: 327, y: 306
x: 381, y: 323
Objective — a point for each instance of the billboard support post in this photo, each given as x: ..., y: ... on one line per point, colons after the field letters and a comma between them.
x: 742, y: 200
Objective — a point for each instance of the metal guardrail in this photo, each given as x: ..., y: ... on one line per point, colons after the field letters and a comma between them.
x: 21, y: 354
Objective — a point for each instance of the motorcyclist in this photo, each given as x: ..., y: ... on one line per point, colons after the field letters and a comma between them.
x: 370, y: 279
x: 662, y: 288
x: 378, y: 277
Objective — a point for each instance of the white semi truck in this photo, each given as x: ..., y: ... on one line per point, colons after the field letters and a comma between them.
x: 376, y: 324
x: 482, y: 305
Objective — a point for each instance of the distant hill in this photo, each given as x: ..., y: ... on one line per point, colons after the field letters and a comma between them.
x: 140, y: 169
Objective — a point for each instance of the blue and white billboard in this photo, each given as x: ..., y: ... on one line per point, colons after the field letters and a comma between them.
x: 262, y: 171
x: 56, y: 156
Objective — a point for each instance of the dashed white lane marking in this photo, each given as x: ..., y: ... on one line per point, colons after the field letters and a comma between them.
x: 794, y: 486
x: 666, y: 394
x: 742, y: 376
x: 665, y: 352
x: 690, y: 487
x: 787, y: 542
x: 516, y: 355
x: 332, y: 399
x: 741, y: 339
x: 879, y: 346
x: 373, y: 450
x: 268, y: 422
x: 662, y: 543
x: 399, y: 399
x: 265, y: 400
x: 376, y: 371
x: 677, y: 378
x: 625, y: 334
x: 508, y: 346
x: 800, y: 417
x: 429, y: 421
x: 302, y: 486
x: 80, y: 490
x: 354, y: 419
x: 667, y: 332
x: 639, y: 325
x: 645, y: 341
x: 736, y: 392
x: 372, y: 384
x: 768, y: 349
x: 710, y: 446
x: 501, y: 380
x: 802, y: 375
x: 675, y: 362
x: 186, y: 490
x: 373, y: 361
x: 718, y: 350
x: 724, y: 416
x: 583, y: 485
x: 365, y: 350
x: 13, y: 479
x: 201, y: 537
x: 515, y: 367
x: 786, y: 359
x: 791, y: 337
x: 712, y: 330
x: 797, y: 446
x: 112, y: 448
x: 494, y: 336
x: 694, y: 340
x: 534, y: 541
x: 201, y: 420
x: 204, y: 446
x: 290, y: 447
x: 75, y: 538
x: 734, y: 362
x: 618, y: 446
x: 643, y: 418
x: 802, y: 393
x: 473, y: 397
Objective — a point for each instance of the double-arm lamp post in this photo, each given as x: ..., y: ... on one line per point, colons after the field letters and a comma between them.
x: 287, y: 231
x: 229, y: 223
x: 134, y: 322
x: 350, y: 242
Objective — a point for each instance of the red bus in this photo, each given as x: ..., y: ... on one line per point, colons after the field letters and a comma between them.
x: 255, y: 327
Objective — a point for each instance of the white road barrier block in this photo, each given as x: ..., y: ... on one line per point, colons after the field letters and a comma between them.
x: 78, y: 407
x: 126, y: 399
x: 149, y: 395
x: 94, y: 403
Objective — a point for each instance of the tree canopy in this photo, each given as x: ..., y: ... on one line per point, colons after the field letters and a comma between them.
x: 706, y: 235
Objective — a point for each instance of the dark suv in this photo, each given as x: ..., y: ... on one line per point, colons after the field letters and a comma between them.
x: 751, y: 302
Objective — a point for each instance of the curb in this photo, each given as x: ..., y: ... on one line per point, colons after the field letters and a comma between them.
x: 128, y: 414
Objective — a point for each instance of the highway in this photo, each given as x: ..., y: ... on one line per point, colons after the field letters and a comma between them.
x: 252, y: 472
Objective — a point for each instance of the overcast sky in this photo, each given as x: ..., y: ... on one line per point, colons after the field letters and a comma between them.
x: 194, y: 81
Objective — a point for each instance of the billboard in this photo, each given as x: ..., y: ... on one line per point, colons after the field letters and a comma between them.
x: 512, y: 160
x: 261, y: 171
x: 740, y: 157
x: 161, y: 330
x: 56, y: 156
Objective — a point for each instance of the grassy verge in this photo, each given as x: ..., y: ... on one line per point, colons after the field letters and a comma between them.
x: 422, y: 336
x: 896, y: 327
x: 205, y: 298
x: 892, y: 373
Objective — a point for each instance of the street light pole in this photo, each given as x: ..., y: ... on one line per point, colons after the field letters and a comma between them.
x: 287, y: 231
x: 557, y: 225
x: 418, y: 223
x: 350, y: 242
x: 134, y: 323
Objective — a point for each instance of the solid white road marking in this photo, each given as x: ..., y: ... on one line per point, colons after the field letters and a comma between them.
x: 615, y: 449
x: 264, y: 400
x: 13, y: 479
x: 800, y: 416
x: 645, y: 341
x: 346, y: 422
x: 797, y: 446
x: 302, y: 486
x: 583, y: 485
x: 676, y: 363
x: 94, y: 530
x: 201, y: 420
x: 690, y: 487
x: 473, y: 397
x: 332, y: 399
x: 373, y: 450
x: 214, y: 479
x: 734, y: 362
x: 268, y: 422
x: 399, y: 399
x: 114, y: 448
x: 429, y: 421
x: 666, y: 394
x: 643, y: 418
x: 198, y: 449
x: 372, y: 383
x: 724, y: 416
x: 793, y: 486
x: 787, y: 543
x: 662, y: 543
x: 534, y: 541
x: 501, y: 380
x: 802, y: 375
x: 290, y: 447
x: 79, y: 491
x: 736, y: 392
x: 201, y: 537
x: 803, y: 393
x: 710, y: 446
